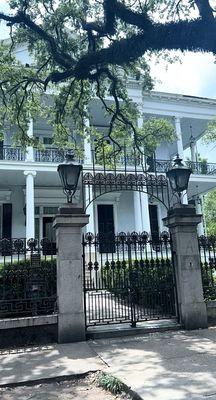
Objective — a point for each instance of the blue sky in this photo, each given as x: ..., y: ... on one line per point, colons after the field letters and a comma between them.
x: 194, y: 76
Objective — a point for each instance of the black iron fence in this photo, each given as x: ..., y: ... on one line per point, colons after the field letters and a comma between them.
x: 27, y: 278
x: 128, y: 278
x: 207, y: 246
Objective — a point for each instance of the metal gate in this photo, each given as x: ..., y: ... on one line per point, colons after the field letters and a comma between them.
x: 133, y: 283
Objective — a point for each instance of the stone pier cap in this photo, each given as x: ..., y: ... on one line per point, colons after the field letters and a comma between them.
x: 182, y: 215
x: 70, y: 215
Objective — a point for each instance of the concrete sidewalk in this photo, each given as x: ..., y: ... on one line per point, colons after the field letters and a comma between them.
x: 164, y: 366
x: 159, y: 366
x: 47, y: 362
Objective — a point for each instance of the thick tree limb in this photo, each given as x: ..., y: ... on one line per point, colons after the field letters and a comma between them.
x: 195, y: 35
x: 205, y: 10
x: 62, y: 58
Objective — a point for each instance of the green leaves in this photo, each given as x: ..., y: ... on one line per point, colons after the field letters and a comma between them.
x: 153, y: 132
x: 210, y: 212
x: 110, y: 383
x: 81, y: 51
x: 210, y: 133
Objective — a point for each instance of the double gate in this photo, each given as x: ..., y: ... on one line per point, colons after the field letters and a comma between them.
x: 128, y: 278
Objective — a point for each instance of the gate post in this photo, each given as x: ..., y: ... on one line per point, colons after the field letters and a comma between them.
x: 182, y: 221
x: 71, y: 318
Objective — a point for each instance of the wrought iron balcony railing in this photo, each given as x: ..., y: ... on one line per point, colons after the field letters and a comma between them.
x: 129, y: 159
x: 198, y: 168
x: 10, y: 153
x: 50, y: 155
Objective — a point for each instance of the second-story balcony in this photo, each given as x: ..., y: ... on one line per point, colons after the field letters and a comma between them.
x: 11, y: 153
x: 126, y: 160
x: 197, y: 167
x: 50, y: 155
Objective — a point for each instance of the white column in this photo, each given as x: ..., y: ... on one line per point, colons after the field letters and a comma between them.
x: 180, y: 150
x: 88, y: 190
x: 137, y: 212
x: 30, y: 212
x: 30, y: 149
x: 193, y: 150
x: 90, y: 210
x: 141, y: 209
x: 87, y: 145
x: 141, y: 212
x: 41, y: 222
x: 200, y: 226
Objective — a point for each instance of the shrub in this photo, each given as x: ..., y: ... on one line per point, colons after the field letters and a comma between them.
x: 110, y: 383
x: 26, y: 287
x: 146, y: 281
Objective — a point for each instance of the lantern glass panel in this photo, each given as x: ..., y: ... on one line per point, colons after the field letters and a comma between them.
x: 72, y: 176
x: 172, y: 179
x: 182, y: 179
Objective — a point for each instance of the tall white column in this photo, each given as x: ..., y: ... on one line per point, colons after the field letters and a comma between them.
x: 193, y: 150
x: 180, y: 150
x: 141, y: 209
x: 137, y: 212
x: 87, y: 144
x: 200, y: 226
x: 30, y: 211
x: 88, y: 191
x: 141, y: 212
x: 30, y: 149
x: 90, y: 210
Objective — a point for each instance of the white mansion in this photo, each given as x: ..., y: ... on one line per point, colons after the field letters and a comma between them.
x: 30, y: 189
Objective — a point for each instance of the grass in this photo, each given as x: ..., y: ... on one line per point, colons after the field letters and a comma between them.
x: 110, y: 383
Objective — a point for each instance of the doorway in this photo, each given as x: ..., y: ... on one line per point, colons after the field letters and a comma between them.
x: 49, y: 233
x: 106, y: 228
x: 154, y: 226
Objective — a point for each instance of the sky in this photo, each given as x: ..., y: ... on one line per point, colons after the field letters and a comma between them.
x: 194, y: 76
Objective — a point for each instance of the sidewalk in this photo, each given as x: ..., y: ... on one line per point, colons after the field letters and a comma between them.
x: 158, y: 366
x: 164, y: 366
x: 47, y: 362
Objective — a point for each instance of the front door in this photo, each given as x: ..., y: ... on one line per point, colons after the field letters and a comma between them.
x: 153, y: 216
x: 49, y: 233
x: 106, y: 228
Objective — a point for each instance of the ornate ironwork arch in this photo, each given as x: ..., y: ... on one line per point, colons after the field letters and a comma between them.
x: 115, y: 169
x: 99, y: 183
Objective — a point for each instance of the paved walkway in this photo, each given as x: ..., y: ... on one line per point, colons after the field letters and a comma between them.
x: 159, y: 366
x: 48, y: 362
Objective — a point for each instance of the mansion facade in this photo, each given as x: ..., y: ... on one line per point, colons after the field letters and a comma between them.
x: 31, y: 192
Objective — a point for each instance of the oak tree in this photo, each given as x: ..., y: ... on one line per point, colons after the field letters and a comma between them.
x: 85, y: 49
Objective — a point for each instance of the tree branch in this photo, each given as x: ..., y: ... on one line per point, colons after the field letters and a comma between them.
x: 62, y: 58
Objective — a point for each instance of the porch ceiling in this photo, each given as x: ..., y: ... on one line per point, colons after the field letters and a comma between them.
x: 9, y: 178
x: 200, y: 184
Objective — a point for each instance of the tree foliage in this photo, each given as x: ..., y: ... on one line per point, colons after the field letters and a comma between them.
x: 210, y: 212
x: 210, y: 133
x: 92, y: 48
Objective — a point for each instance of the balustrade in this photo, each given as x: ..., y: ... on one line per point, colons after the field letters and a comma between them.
x: 53, y: 155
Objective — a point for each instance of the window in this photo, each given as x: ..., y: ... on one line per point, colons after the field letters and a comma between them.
x: 50, y: 210
x: 47, y: 140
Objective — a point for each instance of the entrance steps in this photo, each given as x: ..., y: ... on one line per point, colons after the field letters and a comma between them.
x: 124, y: 329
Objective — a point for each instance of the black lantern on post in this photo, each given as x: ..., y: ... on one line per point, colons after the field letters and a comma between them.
x: 69, y: 173
x: 178, y: 177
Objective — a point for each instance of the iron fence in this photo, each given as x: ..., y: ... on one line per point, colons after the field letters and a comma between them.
x: 128, y: 278
x: 27, y: 277
x: 207, y: 246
